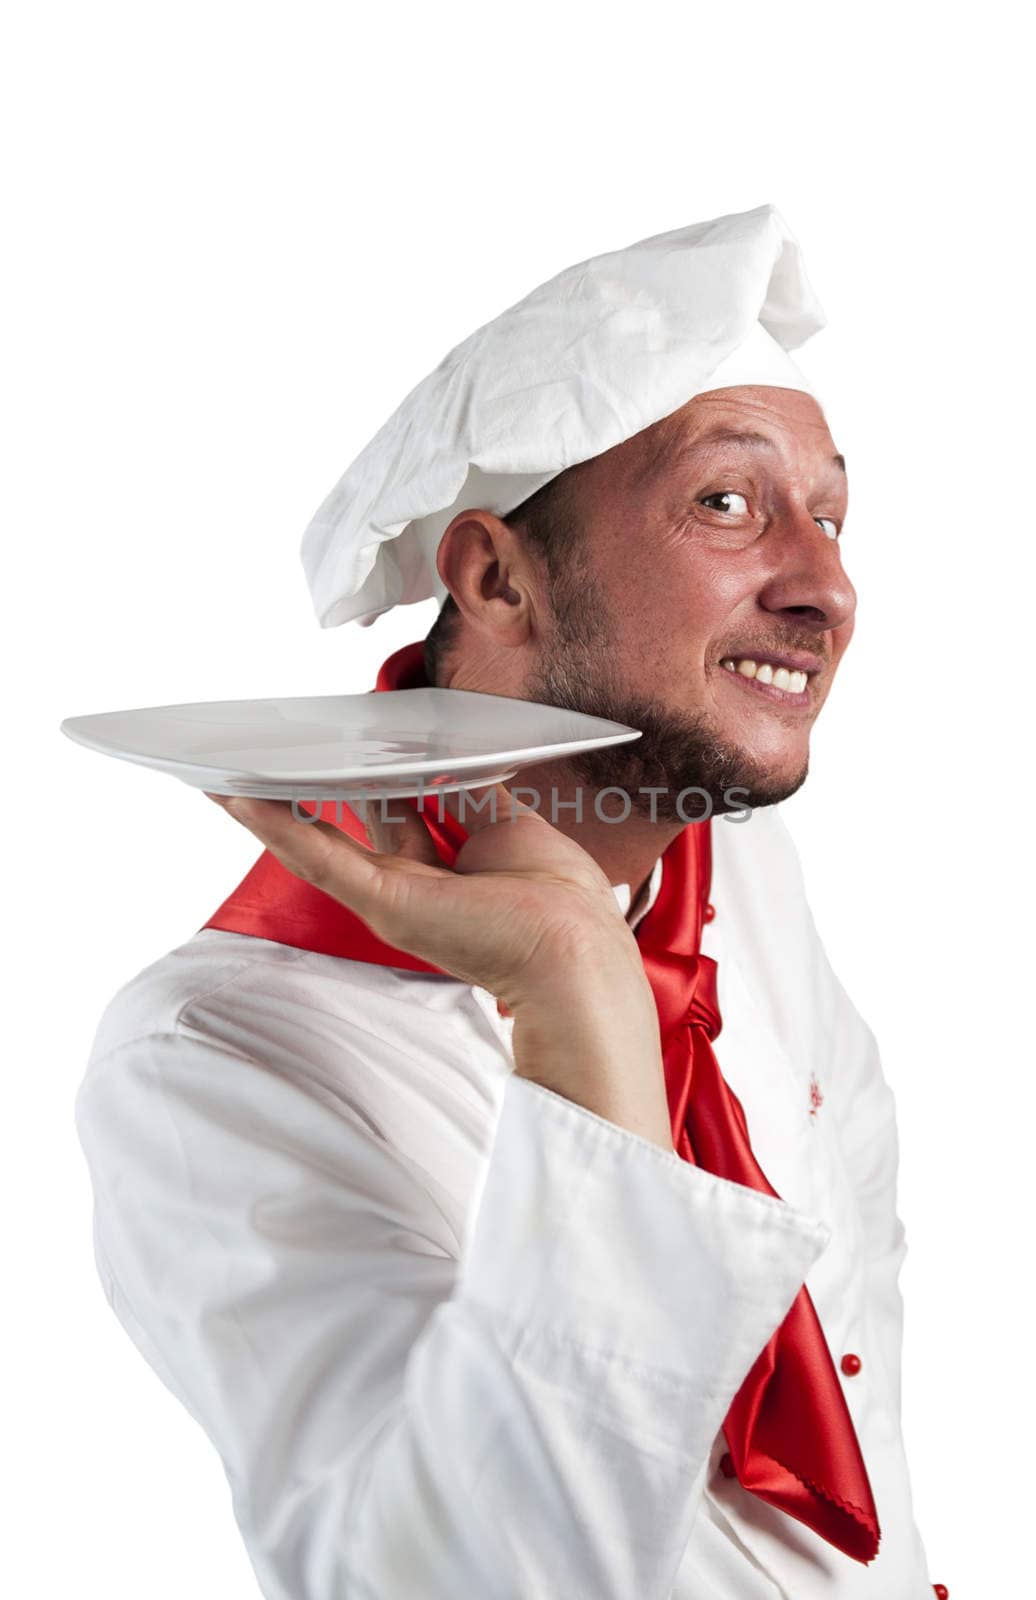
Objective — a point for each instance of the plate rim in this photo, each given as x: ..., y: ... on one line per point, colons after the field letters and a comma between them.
x: 622, y: 734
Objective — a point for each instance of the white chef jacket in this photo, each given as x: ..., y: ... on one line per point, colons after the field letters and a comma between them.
x: 455, y: 1337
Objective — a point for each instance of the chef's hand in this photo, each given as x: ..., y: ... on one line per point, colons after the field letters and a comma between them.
x: 525, y: 913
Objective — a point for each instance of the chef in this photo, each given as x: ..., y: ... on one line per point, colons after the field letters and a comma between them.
x: 509, y: 1189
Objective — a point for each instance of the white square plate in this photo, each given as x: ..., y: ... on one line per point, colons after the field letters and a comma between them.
x: 395, y: 742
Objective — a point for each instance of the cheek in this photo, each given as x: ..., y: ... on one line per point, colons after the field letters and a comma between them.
x: 679, y: 594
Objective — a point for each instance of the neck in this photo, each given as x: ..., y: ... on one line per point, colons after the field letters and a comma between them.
x: 626, y: 851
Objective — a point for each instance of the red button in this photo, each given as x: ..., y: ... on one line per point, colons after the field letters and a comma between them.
x: 941, y: 1590
x: 726, y: 1466
x: 710, y: 912
x: 851, y: 1365
x: 502, y: 1009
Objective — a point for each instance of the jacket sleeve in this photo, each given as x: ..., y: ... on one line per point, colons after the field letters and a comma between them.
x: 528, y: 1416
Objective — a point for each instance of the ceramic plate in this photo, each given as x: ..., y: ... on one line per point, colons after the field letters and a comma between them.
x: 396, y: 742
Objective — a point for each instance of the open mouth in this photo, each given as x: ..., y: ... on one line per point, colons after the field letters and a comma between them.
x: 779, y: 683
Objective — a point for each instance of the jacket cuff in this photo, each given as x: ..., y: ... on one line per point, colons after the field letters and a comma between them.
x: 592, y: 1244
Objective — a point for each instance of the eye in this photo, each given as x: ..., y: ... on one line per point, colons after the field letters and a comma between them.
x: 831, y: 528
x: 726, y: 494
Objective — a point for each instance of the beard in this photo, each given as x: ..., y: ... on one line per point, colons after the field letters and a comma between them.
x: 675, y: 752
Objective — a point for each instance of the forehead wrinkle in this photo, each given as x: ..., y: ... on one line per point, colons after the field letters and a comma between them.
x: 674, y: 451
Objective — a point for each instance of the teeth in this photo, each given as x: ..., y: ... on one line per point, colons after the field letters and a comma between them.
x: 779, y: 677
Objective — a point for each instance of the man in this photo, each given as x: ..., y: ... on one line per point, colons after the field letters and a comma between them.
x: 418, y: 1177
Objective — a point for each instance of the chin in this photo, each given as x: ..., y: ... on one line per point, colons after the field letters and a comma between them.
x: 676, y: 751
x: 767, y: 784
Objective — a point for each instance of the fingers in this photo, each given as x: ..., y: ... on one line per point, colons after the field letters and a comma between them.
x: 315, y: 851
x: 398, y: 898
x: 379, y: 883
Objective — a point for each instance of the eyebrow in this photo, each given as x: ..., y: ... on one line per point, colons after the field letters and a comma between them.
x: 745, y: 439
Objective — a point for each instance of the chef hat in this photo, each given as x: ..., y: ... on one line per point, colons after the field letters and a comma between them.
x: 591, y: 357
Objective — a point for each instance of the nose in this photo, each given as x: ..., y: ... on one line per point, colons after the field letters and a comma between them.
x: 807, y: 582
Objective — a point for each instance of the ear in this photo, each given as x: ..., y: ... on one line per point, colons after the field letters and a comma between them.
x: 491, y: 577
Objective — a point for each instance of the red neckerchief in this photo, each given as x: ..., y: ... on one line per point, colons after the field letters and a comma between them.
x: 790, y: 1436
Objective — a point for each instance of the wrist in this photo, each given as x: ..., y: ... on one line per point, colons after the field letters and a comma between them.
x: 604, y: 1021
x: 599, y: 967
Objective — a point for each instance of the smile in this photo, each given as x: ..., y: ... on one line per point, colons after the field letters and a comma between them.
x: 781, y: 683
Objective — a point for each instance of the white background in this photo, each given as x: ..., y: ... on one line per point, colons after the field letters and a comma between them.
x: 236, y: 236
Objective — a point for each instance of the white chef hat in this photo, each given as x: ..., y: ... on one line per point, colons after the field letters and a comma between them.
x: 591, y: 357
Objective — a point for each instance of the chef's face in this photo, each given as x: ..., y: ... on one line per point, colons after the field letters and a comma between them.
x: 709, y: 606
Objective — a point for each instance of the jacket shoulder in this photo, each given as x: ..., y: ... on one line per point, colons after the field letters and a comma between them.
x: 158, y: 998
